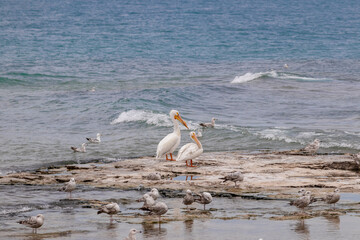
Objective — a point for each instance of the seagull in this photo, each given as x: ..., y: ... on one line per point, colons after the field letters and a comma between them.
x: 153, y: 176
x: 203, y: 198
x: 131, y: 235
x: 302, y: 192
x: 199, y: 133
x: 209, y: 125
x: 169, y: 143
x: 159, y: 208
x: 95, y: 140
x: 333, y: 198
x: 188, y: 199
x: 312, y: 147
x: 81, y: 149
x: 285, y: 65
x: 154, y: 193
x: 356, y: 158
x: 69, y: 186
x: 234, y: 177
x: 34, y: 222
x: 110, y: 209
x: 302, y: 202
x: 190, y: 151
x: 148, y: 201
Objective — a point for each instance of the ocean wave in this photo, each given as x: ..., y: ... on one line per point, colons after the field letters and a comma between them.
x: 150, y: 118
x: 273, y: 74
x: 16, y: 210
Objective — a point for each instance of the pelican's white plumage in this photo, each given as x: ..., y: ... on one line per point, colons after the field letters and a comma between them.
x: 169, y: 143
x: 191, y: 150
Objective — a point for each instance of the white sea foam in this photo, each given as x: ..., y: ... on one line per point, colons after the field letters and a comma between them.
x: 272, y: 74
x: 18, y: 210
x: 276, y: 135
x: 149, y: 117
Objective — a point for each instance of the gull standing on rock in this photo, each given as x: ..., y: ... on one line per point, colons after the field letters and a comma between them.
x: 95, y: 140
x: 190, y: 151
x: 333, y: 198
x: 209, y: 125
x: 69, y: 186
x: 153, y: 176
x: 302, y: 202
x: 312, y: 147
x: 81, y: 149
x: 110, y: 209
x: 234, y: 177
x: 203, y: 198
x: 169, y: 143
x: 188, y: 199
x: 34, y: 222
x: 132, y: 234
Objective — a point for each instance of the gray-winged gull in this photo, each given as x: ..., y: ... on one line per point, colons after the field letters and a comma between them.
x: 234, y: 177
x: 110, y: 209
x: 189, y: 198
x: 209, y: 125
x: 34, y: 222
x: 203, y: 198
x: 69, y: 186
x: 95, y: 140
x: 132, y: 234
x: 81, y: 149
x: 333, y: 197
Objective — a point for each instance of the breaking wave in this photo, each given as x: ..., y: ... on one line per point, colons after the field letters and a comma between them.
x: 273, y: 74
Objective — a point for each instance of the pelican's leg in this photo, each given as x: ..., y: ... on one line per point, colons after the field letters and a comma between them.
x: 171, y: 157
x: 166, y: 157
x: 191, y: 164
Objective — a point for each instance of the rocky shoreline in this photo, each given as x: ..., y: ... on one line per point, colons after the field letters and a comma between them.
x: 266, y: 175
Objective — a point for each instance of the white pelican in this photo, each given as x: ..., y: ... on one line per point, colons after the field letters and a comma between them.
x: 69, y: 186
x: 190, y: 151
x: 81, y: 149
x: 34, y: 222
x: 95, y: 140
x: 169, y: 143
x: 132, y: 234
x: 212, y: 124
x: 110, y: 209
x: 312, y: 147
x: 333, y: 198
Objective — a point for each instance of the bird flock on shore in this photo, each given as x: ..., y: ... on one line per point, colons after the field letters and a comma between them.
x: 186, y: 153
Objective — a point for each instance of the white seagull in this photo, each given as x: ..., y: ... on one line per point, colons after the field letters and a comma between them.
x: 148, y: 201
x: 333, y: 198
x: 82, y: 149
x: 69, y: 186
x: 312, y: 147
x: 209, y: 125
x: 302, y: 202
x: 234, y: 177
x: 169, y: 143
x: 132, y: 234
x: 154, y: 193
x: 95, y: 140
x: 110, y: 209
x: 159, y: 208
x: 203, y: 198
x: 34, y: 222
x: 190, y: 151
x: 188, y: 199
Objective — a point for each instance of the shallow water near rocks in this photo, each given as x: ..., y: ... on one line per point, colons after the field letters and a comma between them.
x: 224, y: 218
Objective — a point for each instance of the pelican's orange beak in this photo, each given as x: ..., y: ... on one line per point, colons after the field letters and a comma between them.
x: 177, y: 117
x: 193, y: 136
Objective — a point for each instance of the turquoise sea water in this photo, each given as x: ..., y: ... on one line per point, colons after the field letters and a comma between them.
x: 222, y: 59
